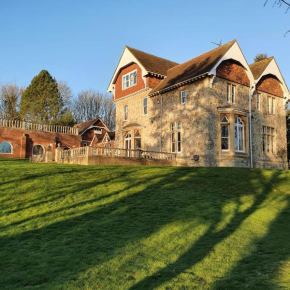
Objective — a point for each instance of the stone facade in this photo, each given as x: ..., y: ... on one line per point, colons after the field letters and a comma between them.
x: 199, y: 118
x: 215, y: 102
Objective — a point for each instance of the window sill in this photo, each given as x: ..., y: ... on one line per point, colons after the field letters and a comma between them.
x: 129, y: 87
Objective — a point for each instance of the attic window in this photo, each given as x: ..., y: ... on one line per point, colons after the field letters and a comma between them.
x: 98, y: 131
x: 129, y: 80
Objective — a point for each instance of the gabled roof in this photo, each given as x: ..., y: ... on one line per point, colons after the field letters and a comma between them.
x: 87, y: 124
x: 152, y: 63
x: 266, y: 67
x: 258, y: 67
x: 111, y: 135
x: 147, y: 62
x: 195, y: 67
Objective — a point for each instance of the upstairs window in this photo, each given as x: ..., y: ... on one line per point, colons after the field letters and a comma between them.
x: 129, y: 80
x: 125, y: 112
x: 183, y: 97
x: 271, y: 105
x: 231, y: 94
x: 5, y: 148
x: 258, y: 104
x: 145, y: 106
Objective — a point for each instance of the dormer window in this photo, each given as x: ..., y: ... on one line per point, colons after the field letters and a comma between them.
x: 129, y: 80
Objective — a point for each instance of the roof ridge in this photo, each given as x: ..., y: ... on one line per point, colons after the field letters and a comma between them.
x: 265, y: 59
x: 129, y: 47
x: 231, y: 42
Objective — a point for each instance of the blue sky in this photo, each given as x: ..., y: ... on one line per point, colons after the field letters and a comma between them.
x: 81, y: 41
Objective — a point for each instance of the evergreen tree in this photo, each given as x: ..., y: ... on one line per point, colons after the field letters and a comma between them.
x: 260, y: 57
x: 41, y: 101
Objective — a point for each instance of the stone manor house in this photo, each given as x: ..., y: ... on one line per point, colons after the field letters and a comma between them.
x: 213, y: 110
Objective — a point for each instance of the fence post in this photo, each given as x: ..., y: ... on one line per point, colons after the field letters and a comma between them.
x: 48, y: 155
x: 58, y: 154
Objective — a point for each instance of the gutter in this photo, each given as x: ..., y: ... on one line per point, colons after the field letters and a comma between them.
x: 251, y: 93
x: 178, y: 85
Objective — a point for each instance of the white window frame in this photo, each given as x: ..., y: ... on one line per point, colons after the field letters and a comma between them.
x: 231, y: 93
x: 268, y: 139
x: 129, y: 77
x: 271, y: 105
x: 144, y: 108
x: 226, y: 124
x: 175, y: 138
x: 237, y: 127
x: 182, y: 97
x: 126, y: 109
x: 10, y: 146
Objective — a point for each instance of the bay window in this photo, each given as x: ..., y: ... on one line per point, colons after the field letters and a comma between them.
x: 225, y: 125
x: 239, y: 135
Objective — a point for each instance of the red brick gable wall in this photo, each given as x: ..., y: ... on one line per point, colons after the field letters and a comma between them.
x: 232, y: 71
x: 23, y: 141
x: 270, y: 85
x: 119, y: 93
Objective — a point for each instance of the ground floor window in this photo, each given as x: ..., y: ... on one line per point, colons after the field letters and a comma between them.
x: 228, y: 136
x: 5, y: 148
x: 38, y: 150
x: 175, y: 137
x: 137, y: 140
x: 239, y: 135
x: 268, y: 139
x: 127, y: 141
x: 225, y: 126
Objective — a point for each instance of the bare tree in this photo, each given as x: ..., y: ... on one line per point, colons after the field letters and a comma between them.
x: 88, y: 105
x: 91, y: 104
x: 65, y: 93
x: 109, y: 112
x: 10, y: 95
x: 281, y: 3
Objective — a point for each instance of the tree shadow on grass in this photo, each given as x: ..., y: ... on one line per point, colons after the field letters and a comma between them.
x: 201, y: 249
x: 55, y: 254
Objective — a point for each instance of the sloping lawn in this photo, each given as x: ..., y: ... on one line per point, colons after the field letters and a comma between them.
x: 97, y: 227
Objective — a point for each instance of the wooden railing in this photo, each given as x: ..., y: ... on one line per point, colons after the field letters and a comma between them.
x: 38, y: 127
x: 116, y: 152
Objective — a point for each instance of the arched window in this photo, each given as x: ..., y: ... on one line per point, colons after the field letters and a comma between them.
x: 239, y: 135
x: 128, y: 141
x: 5, y: 148
x: 38, y: 150
x: 225, y: 130
x: 137, y: 140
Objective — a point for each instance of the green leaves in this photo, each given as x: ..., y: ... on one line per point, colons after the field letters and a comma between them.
x: 40, y: 101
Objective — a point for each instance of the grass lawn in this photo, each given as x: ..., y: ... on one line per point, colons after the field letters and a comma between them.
x: 117, y: 227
